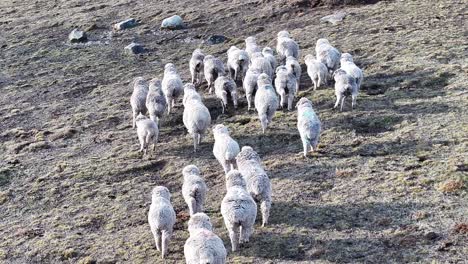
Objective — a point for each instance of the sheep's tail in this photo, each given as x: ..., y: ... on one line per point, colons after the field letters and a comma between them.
x: 214, y: 72
x: 348, y: 90
x: 257, y: 186
x: 195, y: 190
x: 198, y: 66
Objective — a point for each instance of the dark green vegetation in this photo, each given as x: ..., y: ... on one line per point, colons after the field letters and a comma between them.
x: 388, y: 184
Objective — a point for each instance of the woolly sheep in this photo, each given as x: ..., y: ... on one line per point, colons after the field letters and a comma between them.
x: 155, y: 101
x: 347, y: 64
x: 190, y: 93
x: 345, y: 85
x: 258, y: 184
x: 147, y: 131
x: 171, y: 85
x: 238, y: 62
x: 285, y: 84
x: 286, y: 46
x: 293, y: 66
x: 268, y: 54
x: 308, y: 125
x: 203, y: 246
x: 266, y: 100
x: 196, y: 66
x: 161, y: 218
x: 327, y: 54
x: 193, y: 189
x: 239, y: 210
x: 261, y: 64
x: 250, y: 85
x: 317, y: 71
x: 214, y: 68
x: 225, y: 149
x: 196, y: 118
x: 138, y: 98
x: 251, y: 46
x: 225, y: 86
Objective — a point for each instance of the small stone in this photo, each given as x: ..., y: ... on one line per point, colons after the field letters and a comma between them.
x: 173, y: 22
x: 134, y: 48
x: 128, y: 23
x: 335, y: 18
x: 216, y: 39
x: 431, y: 235
x: 77, y: 36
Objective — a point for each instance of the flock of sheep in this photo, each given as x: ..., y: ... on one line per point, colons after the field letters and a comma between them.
x: 247, y: 183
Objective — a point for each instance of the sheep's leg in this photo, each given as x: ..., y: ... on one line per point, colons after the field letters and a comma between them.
x: 134, y: 118
x: 297, y: 86
x: 193, y: 78
x: 265, y: 208
x: 249, y: 101
x: 282, y: 95
x: 234, y: 235
x: 166, y: 235
x: 192, y: 205
x: 225, y: 167
x: 200, y: 137
x: 353, y: 104
x: 210, y: 91
x: 338, y: 99
x: 195, y: 139
x: 141, y: 138
x: 305, y: 146
x: 173, y: 103
x: 245, y: 234
x: 168, y: 102
x: 222, y: 105
x: 290, y: 102
x: 157, y: 238
x: 342, y: 103
x: 149, y: 139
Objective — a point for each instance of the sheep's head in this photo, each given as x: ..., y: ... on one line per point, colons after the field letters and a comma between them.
x: 191, y: 170
x: 155, y: 84
x: 250, y: 40
x: 139, y: 81
x: 322, y: 41
x: 188, y: 87
x: 140, y: 117
x: 263, y: 80
x: 257, y: 55
x: 309, y: 58
x: 207, y: 58
x: 199, y: 221
x: 161, y: 191
x: 235, y: 178
x: 247, y: 153
x: 283, y: 34
x: 220, y: 129
x: 197, y: 51
x: 346, y: 57
x: 267, y: 50
x: 303, y: 102
x: 232, y: 49
x: 170, y: 67
x: 338, y: 74
x: 281, y: 68
x: 291, y: 59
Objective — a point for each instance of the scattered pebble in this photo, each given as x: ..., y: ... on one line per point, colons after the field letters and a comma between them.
x: 216, y: 39
x: 335, y: 18
x: 173, y: 22
x: 77, y: 36
x: 128, y: 23
x: 134, y: 48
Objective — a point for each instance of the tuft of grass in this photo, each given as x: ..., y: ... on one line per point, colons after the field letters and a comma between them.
x: 451, y: 186
x: 461, y: 228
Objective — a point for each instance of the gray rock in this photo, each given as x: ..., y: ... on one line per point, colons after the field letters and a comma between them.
x: 173, y: 22
x: 77, y: 36
x: 216, y: 39
x: 134, y: 48
x: 335, y: 18
x: 128, y: 23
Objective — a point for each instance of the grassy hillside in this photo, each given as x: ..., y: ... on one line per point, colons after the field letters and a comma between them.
x: 388, y: 184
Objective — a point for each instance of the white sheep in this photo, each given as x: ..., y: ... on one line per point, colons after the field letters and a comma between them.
x: 251, y: 46
x: 293, y: 66
x: 250, y: 85
x: 203, y: 246
x: 345, y: 85
x: 285, y: 84
x: 258, y: 184
x: 238, y: 62
x: 196, y: 66
x: 225, y: 86
x: 266, y: 100
x: 269, y: 56
x: 172, y: 85
x: 261, y: 64
x: 147, y: 131
x: 225, y: 148
x: 156, y: 101
x: 286, y: 46
x: 327, y: 54
x: 138, y: 98
x: 161, y: 218
x: 347, y: 64
x: 196, y: 118
x: 239, y: 210
x: 308, y: 125
x: 213, y: 68
x: 317, y: 71
x: 193, y: 189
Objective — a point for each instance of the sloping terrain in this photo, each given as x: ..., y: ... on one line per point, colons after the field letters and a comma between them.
x: 388, y: 184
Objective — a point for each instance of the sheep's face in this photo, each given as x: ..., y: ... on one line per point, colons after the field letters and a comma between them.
x: 247, y: 153
x: 322, y: 41
x: 220, y: 129
x: 283, y: 34
x: 191, y: 170
x: 346, y: 57
x: 250, y: 40
x: 303, y: 102
x: 235, y: 178
x: 161, y: 191
x: 200, y: 220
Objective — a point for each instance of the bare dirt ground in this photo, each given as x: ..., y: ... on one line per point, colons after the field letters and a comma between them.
x: 388, y: 185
